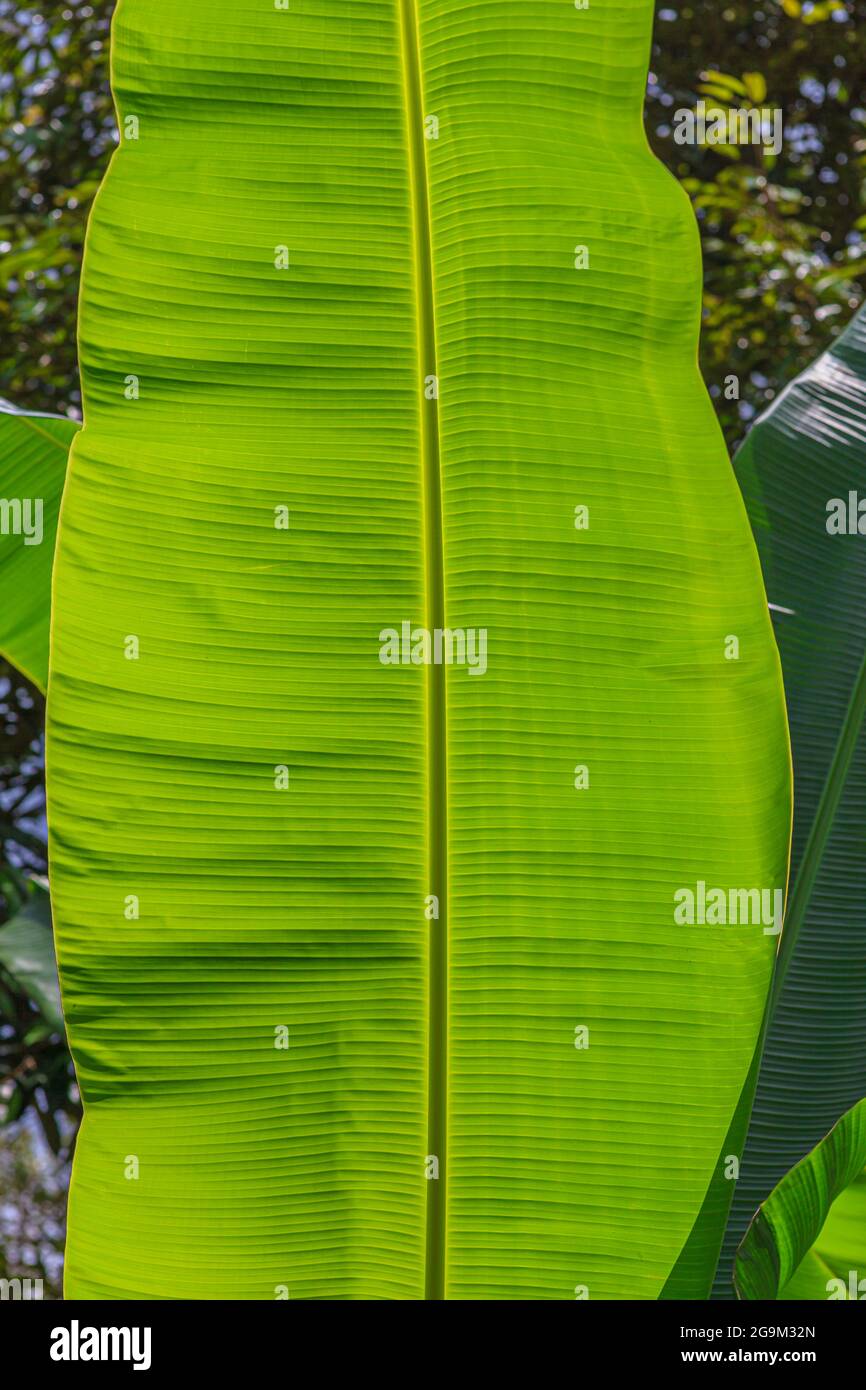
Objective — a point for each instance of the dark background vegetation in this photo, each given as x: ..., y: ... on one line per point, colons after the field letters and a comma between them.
x: 785, y: 267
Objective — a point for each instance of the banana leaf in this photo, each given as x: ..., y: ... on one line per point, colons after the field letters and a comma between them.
x: 801, y: 470
x: 412, y: 675
x: 808, y: 1239
x: 33, y: 453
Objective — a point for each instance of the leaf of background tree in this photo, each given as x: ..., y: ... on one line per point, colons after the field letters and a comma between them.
x: 808, y: 1240
x: 33, y: 454
x: 27, y: 952
x: 807, y: 449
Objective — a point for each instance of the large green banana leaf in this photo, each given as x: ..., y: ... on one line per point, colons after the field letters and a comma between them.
x: 804, y: 458
x: 808, y: 1240
x: 340, y: 377
x: 33, y: 452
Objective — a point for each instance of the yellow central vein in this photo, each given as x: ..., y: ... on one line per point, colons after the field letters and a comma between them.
x: 27, y: 421
x: 437, y: 802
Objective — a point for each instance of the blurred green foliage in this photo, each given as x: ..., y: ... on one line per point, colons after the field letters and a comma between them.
x: 784, y: 239
x: 32, y: 1210
x: 39, y: 1099
x: 57, y: 119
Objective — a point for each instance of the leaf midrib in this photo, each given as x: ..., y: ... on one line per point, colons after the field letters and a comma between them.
x: 437, y: 797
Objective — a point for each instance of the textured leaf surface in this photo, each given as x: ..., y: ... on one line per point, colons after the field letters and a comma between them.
x: 560, y: 1168
x: 810, y: 1234
x: 33, y: 453
x: 807, y: 450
